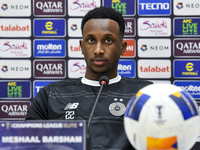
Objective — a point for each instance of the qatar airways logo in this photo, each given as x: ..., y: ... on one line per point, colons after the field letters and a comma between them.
x: 154, y: 27
x: 81, y: 7
x: 76, y: 68
x: 154, y: 68
x: 15, y: 48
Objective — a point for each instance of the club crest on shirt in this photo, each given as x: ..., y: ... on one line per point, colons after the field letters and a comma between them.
x: 117, y: 108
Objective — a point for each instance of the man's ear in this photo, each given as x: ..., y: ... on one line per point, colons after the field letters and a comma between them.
x: 81, y: 45
x: 123, y: 47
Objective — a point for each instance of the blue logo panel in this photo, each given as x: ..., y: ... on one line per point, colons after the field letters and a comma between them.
x: 15, y: 89
x: 49, y: 27
x: 186, y: 69
x: 192, y: 87
x: 186, y: 26
x: 49, y: 48
x: 126, y: 68
x: 126, y: 7
x: 37, y: 85
x: 154, y: 7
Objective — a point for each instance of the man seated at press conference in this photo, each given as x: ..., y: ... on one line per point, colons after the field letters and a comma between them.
x: 102, y: 45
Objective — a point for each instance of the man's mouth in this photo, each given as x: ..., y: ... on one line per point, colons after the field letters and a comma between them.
x: 99, y: 62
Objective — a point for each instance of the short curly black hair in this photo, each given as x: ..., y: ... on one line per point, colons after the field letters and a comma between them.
x: 105, y: 13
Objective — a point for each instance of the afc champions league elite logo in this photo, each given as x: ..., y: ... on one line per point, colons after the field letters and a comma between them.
x: 117, y: 108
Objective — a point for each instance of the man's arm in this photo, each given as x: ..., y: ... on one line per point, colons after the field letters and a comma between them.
x: 39, y: 106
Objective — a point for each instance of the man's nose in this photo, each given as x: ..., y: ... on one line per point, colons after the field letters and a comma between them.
x: 99, y: 49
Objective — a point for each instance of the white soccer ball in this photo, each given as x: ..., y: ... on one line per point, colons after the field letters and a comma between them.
x: 162, y: 116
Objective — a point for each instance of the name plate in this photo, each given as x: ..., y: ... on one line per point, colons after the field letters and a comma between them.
x: 43, y: 135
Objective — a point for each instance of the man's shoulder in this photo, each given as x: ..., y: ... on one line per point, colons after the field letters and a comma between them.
x: 135, y: 81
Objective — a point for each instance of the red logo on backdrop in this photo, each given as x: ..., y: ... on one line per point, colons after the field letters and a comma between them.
x: 130, y: 49
x: 13, y: 110
x: 49, y: 68
x: 49, y: 8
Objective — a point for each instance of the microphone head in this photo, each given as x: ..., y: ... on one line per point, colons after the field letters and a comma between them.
x: 104, y: 80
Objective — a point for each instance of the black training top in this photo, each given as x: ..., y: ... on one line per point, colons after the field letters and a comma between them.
x: 72, y: 99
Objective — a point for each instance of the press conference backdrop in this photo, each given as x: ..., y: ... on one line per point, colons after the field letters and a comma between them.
x: 39, y: 44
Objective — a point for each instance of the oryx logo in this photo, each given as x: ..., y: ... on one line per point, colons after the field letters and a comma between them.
x: 117, y: 108
x: 144, y: 47
x: 4, y: 7
x: 71, y: 106
x: 179, y: 5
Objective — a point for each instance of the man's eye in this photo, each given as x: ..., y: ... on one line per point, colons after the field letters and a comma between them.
x: 91, y: 40
x: 108, y: 41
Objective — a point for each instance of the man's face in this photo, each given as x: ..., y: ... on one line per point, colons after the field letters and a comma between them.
x: 102, y: 46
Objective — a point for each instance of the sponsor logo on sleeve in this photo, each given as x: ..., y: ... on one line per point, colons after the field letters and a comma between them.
x: 38, y: 85
x: 129, y: 27
x: 49, y: 68
x: 186, y: 68
x: 15, y: 48
x: 130, y: 49
x: 154, y: 27
x: 126, y: 68
x: 49, y: 27
x: 14, y: 8
x: 186, y: 26
x: 186, y: 48
x: 154, y: 7
x: 13, y: 110
x: 74, y: 27
x: 126, y: 7
x: 154, y: 69
x: 15, y: 89
x: 15, y: 69
x: 154, y: 48
x: 74, y: 49
x: 76, y: 68
x: 192, y: 87
x: 49, y: 8
x: 186, y: 8
x: 15, y: 27
x: 49, y: 48
x: 81, y: 7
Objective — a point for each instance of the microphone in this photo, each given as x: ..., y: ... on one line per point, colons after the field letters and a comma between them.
x: 103, y: 81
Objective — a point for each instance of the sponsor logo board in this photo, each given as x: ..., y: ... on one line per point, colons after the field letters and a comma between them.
x: 154, y: 27
x: 15, y: 89
x: 81, y: 7
x: 130, y: 49
x: 74, y: 27
x: 13, y: 8
x: 154, y: 48
x: 49, y: 27
x: 38, y: 85
x: 13, y: 110
x: 76, y: 68
x: 49, y: 8
x: 10, y: 48
x: 74, y: 49
x: 129, y: 27
x: 49, y: 48
x: 15, y: 27
x: 154, y: 68
x: 186, y: 47
x: 186, y: 7
x: 186, y: 68
x: 186, y: 26
x: 192, y: 87
x: 154, y: 7
x: 49, y: 68
x: 126, y: 68
x: 15, y: 69
x: 126, y: 7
